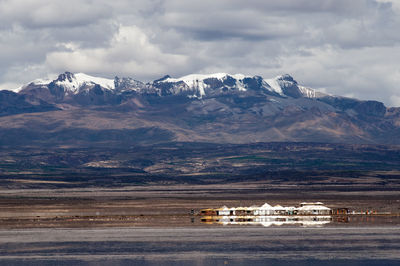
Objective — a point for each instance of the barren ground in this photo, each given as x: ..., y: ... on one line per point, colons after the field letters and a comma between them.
x: 170, y: 205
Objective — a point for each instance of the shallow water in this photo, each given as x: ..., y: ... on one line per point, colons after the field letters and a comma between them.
x: 222, y: 245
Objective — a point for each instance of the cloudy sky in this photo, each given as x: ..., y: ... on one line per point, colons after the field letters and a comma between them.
x: 344, y: 47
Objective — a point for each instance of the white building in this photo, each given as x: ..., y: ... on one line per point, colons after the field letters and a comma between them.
x: 306, y: 208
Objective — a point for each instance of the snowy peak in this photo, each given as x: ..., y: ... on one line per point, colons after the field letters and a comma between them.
x: 286, y: 78
x: 66, y: 77
x: 286, y: 85
x: 74, y: 82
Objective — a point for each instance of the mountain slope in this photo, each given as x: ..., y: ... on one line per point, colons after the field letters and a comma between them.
x: 13, y: 103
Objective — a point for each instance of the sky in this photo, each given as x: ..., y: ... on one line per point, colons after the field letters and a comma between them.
x: 343, y: 47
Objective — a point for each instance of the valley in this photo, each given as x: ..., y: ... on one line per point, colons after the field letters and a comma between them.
x: 299, y: 164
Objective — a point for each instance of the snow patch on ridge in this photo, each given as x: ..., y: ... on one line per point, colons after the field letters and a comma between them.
x: 307, y: 92
x: 197, y: 80
x: 105, y: 83
x: 191, y: 77
x: 273, y: 83
x: 311, y: 93
x: 80, y: 79
x: 42, y: 81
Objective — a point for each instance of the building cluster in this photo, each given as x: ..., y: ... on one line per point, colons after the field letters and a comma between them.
x: 306, y: 214
x: 305, y: 208
x: 268, y: 221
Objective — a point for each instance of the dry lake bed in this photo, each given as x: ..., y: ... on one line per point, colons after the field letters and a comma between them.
x: 152, y: 225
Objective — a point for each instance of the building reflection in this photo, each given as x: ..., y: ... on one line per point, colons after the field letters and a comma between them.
x: 267, y: 221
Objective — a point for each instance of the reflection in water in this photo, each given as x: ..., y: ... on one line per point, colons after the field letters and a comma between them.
x: 230, y: 245
x: 315, y: 221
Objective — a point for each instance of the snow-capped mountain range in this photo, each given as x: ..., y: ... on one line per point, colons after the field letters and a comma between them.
x: 221, y: 108
x: 193, y: 86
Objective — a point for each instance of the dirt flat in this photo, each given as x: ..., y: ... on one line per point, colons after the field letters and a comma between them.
x: 171, y: 205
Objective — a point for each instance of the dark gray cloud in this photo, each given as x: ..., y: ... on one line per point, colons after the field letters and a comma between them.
x: 344, y: 47
x: 52, y: 14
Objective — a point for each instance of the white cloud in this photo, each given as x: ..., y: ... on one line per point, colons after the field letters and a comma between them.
x: 55, y: 13
x: 370, y: 73
x: 394, y: 3
x: 129, y: 53
x: 10, y: 86
x: 346, y: 47
x: 395, y: 100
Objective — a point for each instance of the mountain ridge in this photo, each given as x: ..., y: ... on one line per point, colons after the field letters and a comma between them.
x: 197, y: 83
x: 217, y: 108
